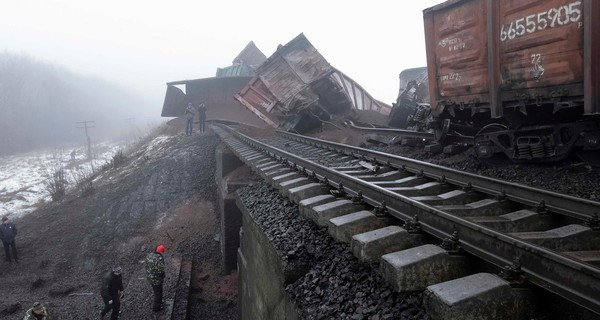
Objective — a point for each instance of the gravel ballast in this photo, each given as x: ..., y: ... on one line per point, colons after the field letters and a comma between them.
x: 336, y: 285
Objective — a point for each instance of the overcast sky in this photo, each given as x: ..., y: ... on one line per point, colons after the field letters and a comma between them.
x: 142, y: 45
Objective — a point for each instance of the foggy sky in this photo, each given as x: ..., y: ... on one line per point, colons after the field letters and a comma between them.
x: 141, y: 45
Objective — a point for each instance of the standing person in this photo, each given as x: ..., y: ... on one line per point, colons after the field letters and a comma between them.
x: 155, y: 273
x: 202, y: 116
x: 112, y: 292
x: 8, y: 233
x: 189, y: 116
x: 37, y: 312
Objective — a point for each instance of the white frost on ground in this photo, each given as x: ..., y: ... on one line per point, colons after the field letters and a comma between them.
x: 23, y: 177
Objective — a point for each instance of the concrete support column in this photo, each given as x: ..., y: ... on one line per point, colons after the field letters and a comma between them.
x: 231, y: 174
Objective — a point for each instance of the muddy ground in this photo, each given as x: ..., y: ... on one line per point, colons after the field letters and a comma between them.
x: 163, y: 193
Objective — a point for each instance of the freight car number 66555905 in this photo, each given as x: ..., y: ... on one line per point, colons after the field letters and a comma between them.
x: 553, y: 17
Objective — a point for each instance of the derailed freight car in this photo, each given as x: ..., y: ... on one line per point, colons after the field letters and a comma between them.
x: 520, y: 77
x: 296, y: 89
x: 411, y: 109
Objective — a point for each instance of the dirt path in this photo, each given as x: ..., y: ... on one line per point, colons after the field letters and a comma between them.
x: 163, y: 194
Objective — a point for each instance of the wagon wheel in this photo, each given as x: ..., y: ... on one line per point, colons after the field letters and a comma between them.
x: 482, y: 144
x: 441, y: 133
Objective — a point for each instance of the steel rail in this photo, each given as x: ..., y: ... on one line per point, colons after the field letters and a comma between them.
x: 581, y: 209
x: 571, y: 279
x: 400, y: 132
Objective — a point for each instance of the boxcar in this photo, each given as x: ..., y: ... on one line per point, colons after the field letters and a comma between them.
x: 519, y: 76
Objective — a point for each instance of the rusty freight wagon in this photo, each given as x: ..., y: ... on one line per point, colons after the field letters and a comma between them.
x: 296, y: 89
x: 519, y: 76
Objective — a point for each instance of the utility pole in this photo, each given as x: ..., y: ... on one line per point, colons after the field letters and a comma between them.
x: 85, y: 125
x: 130, y: 132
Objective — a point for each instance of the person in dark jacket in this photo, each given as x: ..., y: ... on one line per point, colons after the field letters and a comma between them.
x: 189, y: 116
x: 8, y: 233
x: 112, y: 292
x: 155, y: 273
x: 202, y: 116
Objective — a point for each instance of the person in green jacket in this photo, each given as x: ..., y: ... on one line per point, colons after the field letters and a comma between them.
x: 37, y: 312
x: 155, y: 273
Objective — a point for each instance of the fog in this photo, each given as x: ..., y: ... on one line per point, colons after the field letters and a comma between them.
x: 67, y: 61
x: 43, y: 106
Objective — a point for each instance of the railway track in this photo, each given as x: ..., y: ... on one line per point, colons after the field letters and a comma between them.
x: 551, y: 240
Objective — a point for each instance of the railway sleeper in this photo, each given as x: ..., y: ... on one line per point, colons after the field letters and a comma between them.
x: 300, y: 193
x: 434, y: 148
x: 278, y: 172
x: 282, y: 176
x: 392, y: 175
x: 484, y: 207
x: 344, y: 227
x: 272, y: 166
x: 259, y: 159
x: 477, y: 296
x: 322, y: 213
x: 414, y: 269
x: 357, y: 172
x: 253, y: 156
x: 284, y: 186
x: 426, y: 189
x: 346, y: 168
x: 409, y: 181
x: 517, y: 221
x: 248, y: 153
x: 368, y: 247
x: 309, y: 203
x: 453, y: 197
x: 265, y: 165
x: 572, y: 237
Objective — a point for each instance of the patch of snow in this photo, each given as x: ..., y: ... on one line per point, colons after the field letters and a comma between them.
x: 23, y: 177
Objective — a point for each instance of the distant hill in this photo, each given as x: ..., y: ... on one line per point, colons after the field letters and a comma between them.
x: 40, y: 105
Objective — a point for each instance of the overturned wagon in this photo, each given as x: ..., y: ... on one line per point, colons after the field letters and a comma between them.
x: 297, y: 89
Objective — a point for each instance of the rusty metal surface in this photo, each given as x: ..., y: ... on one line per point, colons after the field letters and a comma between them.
x: 296, y: 87
x: 492, y: 52
x: 592, y: 53
x: 257, y: 98
x: 541, y: 43
x: 211, y: 91
x: 174, y: 103
x: 282, y: 87
x: 457, y: 40
x: 292, y: 68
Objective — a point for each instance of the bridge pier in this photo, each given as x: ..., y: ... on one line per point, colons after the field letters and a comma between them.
x: 231, y: 174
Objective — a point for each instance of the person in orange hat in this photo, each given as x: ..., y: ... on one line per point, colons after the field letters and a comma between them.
x: 155, y: 273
